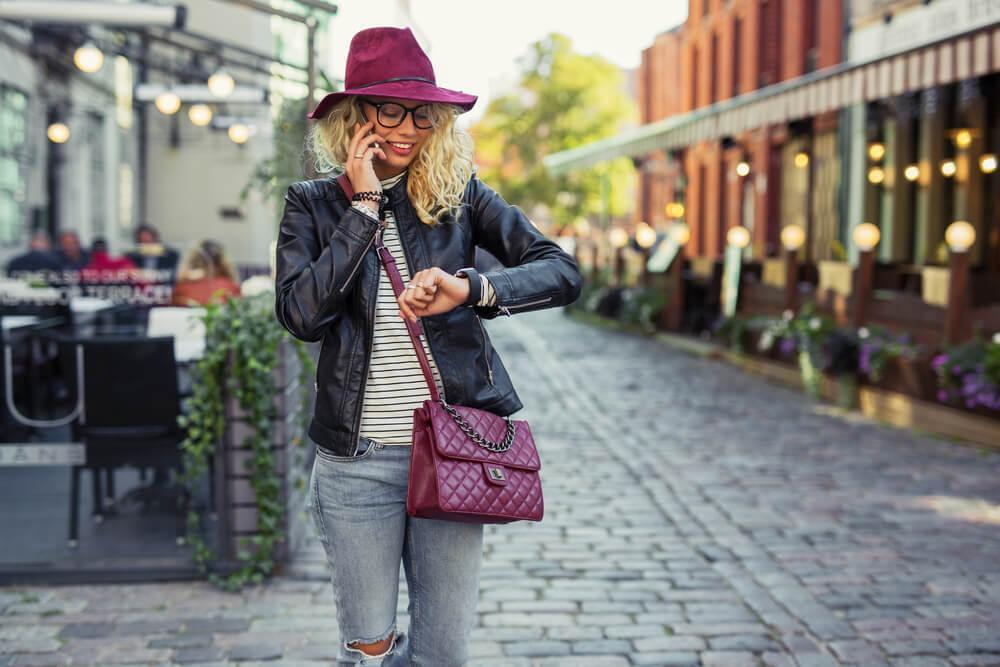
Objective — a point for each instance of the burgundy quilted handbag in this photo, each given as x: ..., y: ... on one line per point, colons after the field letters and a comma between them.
x: 466, y: 464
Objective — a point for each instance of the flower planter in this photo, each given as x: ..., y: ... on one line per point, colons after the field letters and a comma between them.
x: 913, y: 377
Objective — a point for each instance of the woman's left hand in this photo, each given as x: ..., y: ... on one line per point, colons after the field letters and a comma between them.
x: 434, y: 292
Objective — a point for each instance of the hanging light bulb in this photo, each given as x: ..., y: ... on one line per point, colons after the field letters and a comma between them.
x: 948, y: 168
x: 963, y: 138
x: 221, y: 84
x: 239, y: 133
x: 912, y: 172
x: 743, y: 168
x: 168, y: 103
x: 802, y: 159
x: 200, y: 114
x: 988, y: 163
x: 876, y: 175
x: 876, y: 150
x: 58, y: 133
x: 88, y: 58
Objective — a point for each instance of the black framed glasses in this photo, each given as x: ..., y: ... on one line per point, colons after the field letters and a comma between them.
x: 392, y: 114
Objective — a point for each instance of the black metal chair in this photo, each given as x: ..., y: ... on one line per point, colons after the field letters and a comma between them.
x: 129, y: 414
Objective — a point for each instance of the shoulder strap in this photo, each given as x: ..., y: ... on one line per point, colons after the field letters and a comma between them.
x: 345, y: 185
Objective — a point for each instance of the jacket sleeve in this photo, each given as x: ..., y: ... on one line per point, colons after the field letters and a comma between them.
x: 314, y: 275
x: 538, y: 274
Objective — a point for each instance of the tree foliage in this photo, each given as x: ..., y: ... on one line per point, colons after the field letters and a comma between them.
x: 563, y: 100
x: 288, y: 161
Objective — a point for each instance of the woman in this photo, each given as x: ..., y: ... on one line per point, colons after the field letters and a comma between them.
x: 205, y: 277
x: 392, y: 131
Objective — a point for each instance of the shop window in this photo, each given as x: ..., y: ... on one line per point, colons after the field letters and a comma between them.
x: 714, y: 93
x: 736, y: 54
x: 769, y: 42
x: 13, y: 133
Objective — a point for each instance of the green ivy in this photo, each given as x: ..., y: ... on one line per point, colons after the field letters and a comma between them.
x: 241, y: 352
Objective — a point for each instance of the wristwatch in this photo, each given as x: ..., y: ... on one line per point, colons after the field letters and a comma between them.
x: 475, y: 284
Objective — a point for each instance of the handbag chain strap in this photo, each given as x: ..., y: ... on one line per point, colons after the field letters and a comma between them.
x: 415, y: 331
x: 485, y: 443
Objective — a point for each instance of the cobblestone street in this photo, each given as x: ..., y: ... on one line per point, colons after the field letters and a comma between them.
x: 695, y: 515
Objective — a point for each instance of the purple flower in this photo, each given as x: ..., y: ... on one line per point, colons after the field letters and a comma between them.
x: 956, y: 369
x: 939, y: 361
x: 865, y: 359
x: 786, y: 347
x: 942, y: 395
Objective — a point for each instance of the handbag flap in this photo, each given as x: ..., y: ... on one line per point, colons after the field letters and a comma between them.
x: 452, y: 442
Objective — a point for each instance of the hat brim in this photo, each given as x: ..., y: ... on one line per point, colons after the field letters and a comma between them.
x: 418, y: 91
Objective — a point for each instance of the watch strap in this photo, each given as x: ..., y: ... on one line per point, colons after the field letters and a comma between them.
x: 475, y: 285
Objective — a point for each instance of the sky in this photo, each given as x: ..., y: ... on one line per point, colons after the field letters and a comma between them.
x: 475, y: 44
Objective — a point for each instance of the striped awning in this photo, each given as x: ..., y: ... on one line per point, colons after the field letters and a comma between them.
x: 831, y: 89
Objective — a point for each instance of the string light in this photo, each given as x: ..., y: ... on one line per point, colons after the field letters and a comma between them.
x: 912, y: 172
x: 200, y: 114
x: 239, y: 133
x: 88, y: 58
x: 58, y: 133
x: 168, y: 103
x: 221, y: 84
x: 876, y: 151
x: 876, y: 175
x: 948, y: 168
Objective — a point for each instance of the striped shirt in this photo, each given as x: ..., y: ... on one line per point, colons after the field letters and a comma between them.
x: 396, y: 385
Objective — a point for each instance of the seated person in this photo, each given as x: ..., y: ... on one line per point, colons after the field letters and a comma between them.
x: 71, y: 253
x: 38, y: 258
x: 150, y: 253
x: 105, y: 268
x: 206, y: 276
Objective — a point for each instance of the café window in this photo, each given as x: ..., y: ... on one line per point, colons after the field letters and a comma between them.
x: 13, y: 133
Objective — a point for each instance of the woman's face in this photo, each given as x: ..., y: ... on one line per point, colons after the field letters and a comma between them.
x: 404, y: 141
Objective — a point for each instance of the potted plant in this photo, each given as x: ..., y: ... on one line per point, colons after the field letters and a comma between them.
x: 969, y: 375
x: 893, y: 362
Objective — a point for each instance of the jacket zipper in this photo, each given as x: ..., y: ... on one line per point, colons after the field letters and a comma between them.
x: 371, y: 341
x: 357, y: 266
x: 486, y: 352
x: 506, y: 309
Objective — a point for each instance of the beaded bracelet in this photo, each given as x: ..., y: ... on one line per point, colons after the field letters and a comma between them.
x: 376, y: 197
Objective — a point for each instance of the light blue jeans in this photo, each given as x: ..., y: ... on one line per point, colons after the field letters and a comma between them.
x: 359, y: 507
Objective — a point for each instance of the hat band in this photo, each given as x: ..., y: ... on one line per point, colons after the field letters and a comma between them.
x: 397, y: 78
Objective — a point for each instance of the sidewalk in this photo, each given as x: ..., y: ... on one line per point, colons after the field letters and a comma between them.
x: 694, y: 515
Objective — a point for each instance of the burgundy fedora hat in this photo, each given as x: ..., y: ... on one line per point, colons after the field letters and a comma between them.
x: 389, y: 62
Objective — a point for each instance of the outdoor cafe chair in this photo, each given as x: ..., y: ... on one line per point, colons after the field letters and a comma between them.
x: 184, y: 324
x: 129, y: 406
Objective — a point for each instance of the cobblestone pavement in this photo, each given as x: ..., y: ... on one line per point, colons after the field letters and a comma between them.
x: 694, y: 515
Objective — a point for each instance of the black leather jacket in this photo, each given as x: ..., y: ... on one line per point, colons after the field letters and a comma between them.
x: 327, y: 282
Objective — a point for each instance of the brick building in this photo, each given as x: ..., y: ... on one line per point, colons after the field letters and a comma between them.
x: 726, y: 49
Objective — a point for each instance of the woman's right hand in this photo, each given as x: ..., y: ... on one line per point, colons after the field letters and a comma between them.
x: 360, y: 153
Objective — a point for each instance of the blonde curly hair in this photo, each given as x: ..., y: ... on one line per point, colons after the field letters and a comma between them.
x: 437, y: 176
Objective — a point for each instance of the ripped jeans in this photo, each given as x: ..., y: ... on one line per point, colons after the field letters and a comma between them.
x: 359, y: 507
